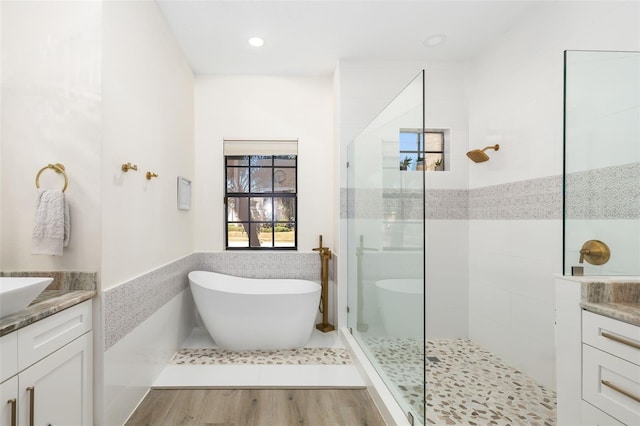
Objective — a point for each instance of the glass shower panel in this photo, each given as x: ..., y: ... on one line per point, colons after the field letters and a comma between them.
x: 602, y: 162
x: 386, y: 249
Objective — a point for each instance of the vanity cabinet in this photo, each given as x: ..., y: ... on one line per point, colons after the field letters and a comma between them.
x: 611, y: 367
x: 52, y: 381
x: 597, y: 362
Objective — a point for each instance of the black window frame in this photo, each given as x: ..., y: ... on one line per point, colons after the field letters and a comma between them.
x: 263, y: 194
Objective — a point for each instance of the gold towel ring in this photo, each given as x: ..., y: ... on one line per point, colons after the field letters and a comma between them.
x: 58, y: 168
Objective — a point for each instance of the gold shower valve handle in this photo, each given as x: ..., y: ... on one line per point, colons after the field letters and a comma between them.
x: 151, y: 175
x: 595, y: 252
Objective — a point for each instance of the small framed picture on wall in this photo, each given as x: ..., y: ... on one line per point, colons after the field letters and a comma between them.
x: 184, y: 193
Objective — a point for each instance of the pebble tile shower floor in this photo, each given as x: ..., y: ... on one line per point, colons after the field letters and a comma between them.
x: 465, y: 385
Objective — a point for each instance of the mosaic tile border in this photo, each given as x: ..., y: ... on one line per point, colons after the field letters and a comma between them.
x: 405, y: 204
x: 295, y: 265
x: 448, y: 204
x: 605, y: 193
x: 528, y: 199
x: 301, y: 356
x: 588, y: 196
x: 131, y: 303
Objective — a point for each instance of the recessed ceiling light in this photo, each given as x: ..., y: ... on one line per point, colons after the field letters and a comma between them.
x: 256, y: 42
x: 434, y: 40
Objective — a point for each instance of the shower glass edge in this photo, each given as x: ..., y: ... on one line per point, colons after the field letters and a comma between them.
x: 601, y: 167
x: 386, y: 247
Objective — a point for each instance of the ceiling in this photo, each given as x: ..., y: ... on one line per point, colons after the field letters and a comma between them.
x: 309, y: 37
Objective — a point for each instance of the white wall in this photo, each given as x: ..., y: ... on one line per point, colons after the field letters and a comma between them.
x: 516, y: 98
x: 147, y: 115
x: 247, y: 107
x: 51, y: 113
x: 147, y: 120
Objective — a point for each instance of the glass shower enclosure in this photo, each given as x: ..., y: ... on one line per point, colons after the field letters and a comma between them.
x: 386, y: 256
x: 602, y: 163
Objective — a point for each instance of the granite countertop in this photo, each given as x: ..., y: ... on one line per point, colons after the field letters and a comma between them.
x: 48, y: 303
x: 66, y: 290
x: 617, y: 300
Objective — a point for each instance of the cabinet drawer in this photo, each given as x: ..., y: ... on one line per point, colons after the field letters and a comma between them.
x: 39, y: 339
x: 8, y: 356
x: 591, y: 416
x: 611, y: 384
x: 613, y: 336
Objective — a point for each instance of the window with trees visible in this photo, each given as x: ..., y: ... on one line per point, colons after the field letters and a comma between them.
x: 261, y: 202
x: 418, y: 152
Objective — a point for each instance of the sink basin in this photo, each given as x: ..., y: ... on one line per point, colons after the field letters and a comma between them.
x: 16, y: 293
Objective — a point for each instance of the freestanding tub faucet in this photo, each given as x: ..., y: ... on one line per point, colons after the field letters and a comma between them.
x: 325, y: 255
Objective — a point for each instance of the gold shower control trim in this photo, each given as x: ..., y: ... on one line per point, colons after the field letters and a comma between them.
x: 128, y: 166
x: 595, y: 252
x: 151, y: 175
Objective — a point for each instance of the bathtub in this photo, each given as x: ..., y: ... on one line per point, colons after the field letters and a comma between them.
x: 401, y: 304
x: 245, y: 313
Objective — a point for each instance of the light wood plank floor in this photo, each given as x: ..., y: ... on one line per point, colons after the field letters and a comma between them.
x: 264, y: 407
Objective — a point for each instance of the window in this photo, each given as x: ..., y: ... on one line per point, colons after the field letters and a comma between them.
x: 430, y: 149
x: 261, y: 201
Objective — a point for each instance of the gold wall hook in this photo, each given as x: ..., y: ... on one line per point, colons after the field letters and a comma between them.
x: 128, y: 166
x: 151, y: 175
x: 595, y: 252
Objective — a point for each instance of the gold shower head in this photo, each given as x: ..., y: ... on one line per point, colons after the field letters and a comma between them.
x: 478, y: 155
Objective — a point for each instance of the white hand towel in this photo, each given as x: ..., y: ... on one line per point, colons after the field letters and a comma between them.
x: 51, y: 231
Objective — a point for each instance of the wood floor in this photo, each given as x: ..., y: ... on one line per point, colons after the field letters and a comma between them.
x: 264, y: 407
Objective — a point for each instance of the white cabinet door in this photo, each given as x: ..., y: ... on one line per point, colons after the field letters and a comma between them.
x: 8, y: 402
x: 611, y: 384
x: 58, y: 389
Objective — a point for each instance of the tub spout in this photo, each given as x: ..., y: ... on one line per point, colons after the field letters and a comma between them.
x: 324, y: 252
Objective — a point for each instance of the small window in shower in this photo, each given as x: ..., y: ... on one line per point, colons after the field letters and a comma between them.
x: 261, y: 202
x: 418, y: 152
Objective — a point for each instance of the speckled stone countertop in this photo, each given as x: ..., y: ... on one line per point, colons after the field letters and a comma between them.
x: 616, y: 300
x: 66, y: 290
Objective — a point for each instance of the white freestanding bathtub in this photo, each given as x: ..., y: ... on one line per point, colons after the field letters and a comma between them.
x: 245, y: 313
x: 401, y: 303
